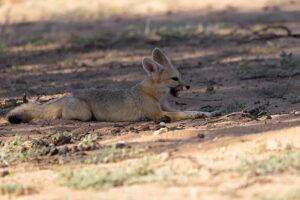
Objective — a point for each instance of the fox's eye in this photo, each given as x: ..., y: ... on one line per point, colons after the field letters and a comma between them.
x: 174, y: 78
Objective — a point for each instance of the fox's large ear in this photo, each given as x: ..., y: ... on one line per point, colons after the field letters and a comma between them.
x: 159, y: 56
x: 151, y: 66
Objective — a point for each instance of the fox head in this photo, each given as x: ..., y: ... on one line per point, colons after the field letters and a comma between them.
x: 162, y: 75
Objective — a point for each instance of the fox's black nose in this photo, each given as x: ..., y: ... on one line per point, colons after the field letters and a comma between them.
x: 187, y: 87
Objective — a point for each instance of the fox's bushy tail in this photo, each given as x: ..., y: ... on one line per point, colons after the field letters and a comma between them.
x: 26, y: 112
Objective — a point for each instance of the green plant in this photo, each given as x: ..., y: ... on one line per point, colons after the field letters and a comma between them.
x: 14, y: 150
x: 287, y: 61
x: 13, y: 188
x: 39, y: 41
x: 294, y: 99
x: 88, y: 139
x: 138, y: 172
x: 261, y: 148
x: 105, y: 178
x: 234, y: 107
x: 271, y: 93
x: 111, y: 154
x: 290, y: 195
x: 274, y: 164
x: 2, y: 45
x: 60, y: 137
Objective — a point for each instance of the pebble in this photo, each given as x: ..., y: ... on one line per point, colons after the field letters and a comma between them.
x: 223, y: 148
x: 200, y: 135
x: 145, y: 127
x: 4, y: 173
x: 164, y: 156
x: 160, y: 131
x: 115, y: 131
x: 64, y: 150
x: 162, y: 123
x: 120, y: 144
x: 75, y: 148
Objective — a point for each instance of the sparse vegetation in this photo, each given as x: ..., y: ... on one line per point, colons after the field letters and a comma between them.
x: 290, y: 195
x: 272, y: 92
x: 140, y: 172
x: 104, y: 178
x: 289, y: 162
x: 59, y: 137
x: 287, y: 62
x: 261, y: 148
x: 39, y: 41
x: 294, y: 99
x: 13, y: 188
x: 111, y: 154
x: 2, y: 45
x: 88, y: 139
x: 234, y: 107
x: 15, y: 150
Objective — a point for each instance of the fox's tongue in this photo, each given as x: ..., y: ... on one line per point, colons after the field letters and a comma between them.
x: 178, y: 88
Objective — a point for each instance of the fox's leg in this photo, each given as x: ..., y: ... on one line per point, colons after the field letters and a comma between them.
x: 185, y: 114
x: 76, y: 109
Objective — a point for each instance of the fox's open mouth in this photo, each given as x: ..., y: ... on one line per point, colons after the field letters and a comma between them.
x: 174, y: 91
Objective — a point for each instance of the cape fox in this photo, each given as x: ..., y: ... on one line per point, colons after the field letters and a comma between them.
x: 146, y: 100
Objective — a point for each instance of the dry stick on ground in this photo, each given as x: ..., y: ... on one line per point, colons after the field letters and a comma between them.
x: 243, y: 113
x: 4, y: 25
x: 262, y: 35
x: 266, y: 76
x: 198, y: 165
x: 223, y: 117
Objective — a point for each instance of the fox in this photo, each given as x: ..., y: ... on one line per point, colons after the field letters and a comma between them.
x: 147, y: 100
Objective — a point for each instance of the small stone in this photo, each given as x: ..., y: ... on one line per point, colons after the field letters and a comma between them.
x: 63, y: 150
x: 162, y: 123
x: 269, y: 117
x: 47, y: 161
x: 118, y: 125
x: 164, y: 156
x: 4, y: 173
x: 75, y: 149
x: 145, y: 127
x: 160, y: 131
x: 88, y: 148
x: 120, y: 144
x: 223, y: 148
x: 200, y: 135
x: 81, y: 148
x: 115, y: 131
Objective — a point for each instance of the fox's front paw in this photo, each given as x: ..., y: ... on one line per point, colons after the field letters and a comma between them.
x: 215, y: 113
x: 207, y: 114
